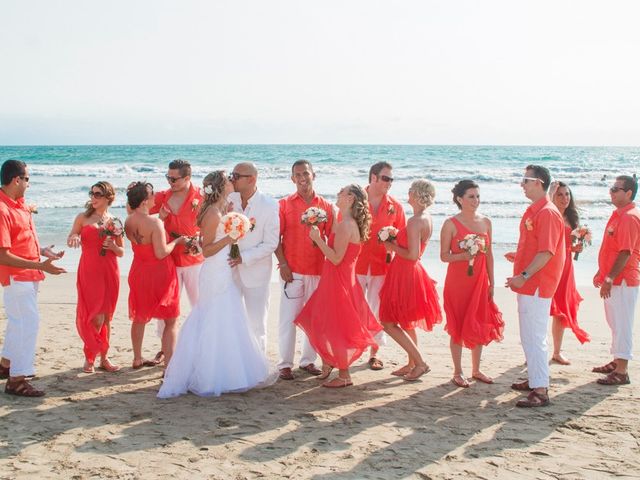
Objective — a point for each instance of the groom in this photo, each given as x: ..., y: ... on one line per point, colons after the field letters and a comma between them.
x: 252, y: 271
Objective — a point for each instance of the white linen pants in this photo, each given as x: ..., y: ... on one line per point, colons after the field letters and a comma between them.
x: 188, y: 278
x: 291, y: 303
x: 619, y: 309
x: 256, y: 301
x: 21, y: 308
x: 371, y: 286
x: 533, y: 316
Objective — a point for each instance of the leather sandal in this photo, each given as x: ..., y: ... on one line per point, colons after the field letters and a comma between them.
x: 521, y: 386
x: 326, y: 371
x: 375, y: 363
x: 481, y: 377
x: 22, y: 388
x: 460, y: 381
x: 534, y: 399
x: 286, y: 374
x: 615, y: 378
x: 416, y: 372
x: 402, y: 371
x: 107, y: 366
x: 311, y: 369
x: 4, y: 372
x: 338, y: 382
x: 608, y: 368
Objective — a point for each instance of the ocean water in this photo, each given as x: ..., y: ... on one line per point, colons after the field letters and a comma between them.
x: 62, y: 175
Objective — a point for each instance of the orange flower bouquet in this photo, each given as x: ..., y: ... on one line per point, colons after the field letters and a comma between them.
x: 236, y: 225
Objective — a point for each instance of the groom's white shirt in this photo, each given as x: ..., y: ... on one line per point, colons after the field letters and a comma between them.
x: 257, y: 247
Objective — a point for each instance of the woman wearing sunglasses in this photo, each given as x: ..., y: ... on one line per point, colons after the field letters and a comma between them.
x: 98, y: 280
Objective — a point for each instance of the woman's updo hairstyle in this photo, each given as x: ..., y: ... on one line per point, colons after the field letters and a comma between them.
x: 461, y: 188
x: 137, y: 193
x: 424, y: 191
x: 212, y: 190
x: 360, y: 210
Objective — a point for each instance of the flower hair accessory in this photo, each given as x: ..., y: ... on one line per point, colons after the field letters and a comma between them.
x: 208, y: 189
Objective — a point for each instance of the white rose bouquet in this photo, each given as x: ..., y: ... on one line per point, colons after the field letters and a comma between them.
x: 387, y: 234
x: 473, y: 244
x: 313, y: 216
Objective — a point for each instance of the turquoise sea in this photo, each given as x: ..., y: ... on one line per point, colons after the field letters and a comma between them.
x: 61, y: 177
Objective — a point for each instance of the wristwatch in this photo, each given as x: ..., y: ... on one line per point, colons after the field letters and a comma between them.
x: 608, y: 279
x: 525, y: 275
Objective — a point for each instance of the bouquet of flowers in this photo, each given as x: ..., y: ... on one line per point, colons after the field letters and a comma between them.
x: 313, y: 216
x: 387, y: 234
x: 473, y: 244
x: 581, y: 235
x: 192, y: 246
x: 236, y: 226
x: 111, y: 228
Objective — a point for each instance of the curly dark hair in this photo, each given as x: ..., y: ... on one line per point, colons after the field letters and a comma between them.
x: 138, y: 192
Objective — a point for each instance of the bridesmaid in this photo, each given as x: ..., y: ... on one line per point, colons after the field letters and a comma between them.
x: 153, y: 284
x: 473, y: 319
x: 98, y: 280
x: 566, y: 300
x: 408, y: 298
x: 337, y: 319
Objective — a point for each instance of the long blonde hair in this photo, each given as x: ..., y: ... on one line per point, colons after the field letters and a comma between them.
x: 360, y: 210
x: 216, y: 181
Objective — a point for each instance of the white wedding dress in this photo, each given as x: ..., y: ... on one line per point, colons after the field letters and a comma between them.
x: 216, y: 352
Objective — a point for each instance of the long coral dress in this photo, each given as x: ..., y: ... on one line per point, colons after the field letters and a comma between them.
x: 408, y: 296
x: 337, y: 319
x: 98, y: 284
x: 566, y: 300
x: 153, y: 286
x: 473, y: 318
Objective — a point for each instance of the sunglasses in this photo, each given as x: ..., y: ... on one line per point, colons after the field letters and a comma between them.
x: 384, y: 178
x: 96, y: 194
x: 237, y: 176
x: 530, y: 179
x: 617, y: 189
x: 171, y: 179
x: 26, y: 179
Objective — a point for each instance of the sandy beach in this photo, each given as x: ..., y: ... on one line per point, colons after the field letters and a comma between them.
x: 112, y: 426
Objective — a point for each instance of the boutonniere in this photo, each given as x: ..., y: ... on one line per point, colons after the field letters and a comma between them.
x: 32, y: 209
x: 391, y: 210
x: 195, y: 203
x: 252, y: 221
x: 528, y: 223
x: 610, y: 231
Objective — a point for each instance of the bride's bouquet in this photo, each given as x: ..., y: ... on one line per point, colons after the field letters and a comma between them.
x: 313, y: 216
x: 473, y: 244
x: 387, y: 234
x: 581, y: 235
x: 236, y: 225
x: 111, y: 228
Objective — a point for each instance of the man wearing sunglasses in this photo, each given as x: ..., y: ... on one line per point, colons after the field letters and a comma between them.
x: 618, y: 277
x: 20, y: 273
x: 252, y: 270
x: 300, y: 264
x: 178, y: 208
x: 371, y: 266
x: 537, y: 268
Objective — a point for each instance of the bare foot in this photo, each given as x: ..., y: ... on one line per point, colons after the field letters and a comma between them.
x: 560, y: 359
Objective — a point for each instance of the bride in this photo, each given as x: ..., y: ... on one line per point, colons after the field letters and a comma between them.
x: 216, y: 352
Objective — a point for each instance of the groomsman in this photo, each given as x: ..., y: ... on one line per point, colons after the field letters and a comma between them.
x: 618, y: 277
x: 300, y: 264
x: 20, y: 273
x: 371, y: 266
x: 537, y: 269
x: 253, y: 268
x: 178, y: 208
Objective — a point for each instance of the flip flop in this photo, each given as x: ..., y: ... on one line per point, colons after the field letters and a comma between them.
x: 338, y: 382
x: 422, y: 370
x: 401, y: 372
x: 460, y: 381
x: 481, y: 377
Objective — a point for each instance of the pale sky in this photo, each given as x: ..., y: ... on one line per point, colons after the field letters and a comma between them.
x: 331, y: 71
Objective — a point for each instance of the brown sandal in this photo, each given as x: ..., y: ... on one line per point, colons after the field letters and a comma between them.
x: 534, y: 399
x: 521, y: 386
x: 375, y: 364
x: 326, y: 371
x: 416, y: 372
x: 22, y: 388
x: 4, y: 372
x: 608, y: 368
x: 615, y: 378
x: 460, y: 381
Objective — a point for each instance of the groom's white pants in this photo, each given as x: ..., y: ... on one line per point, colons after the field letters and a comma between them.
x: 256, y: 301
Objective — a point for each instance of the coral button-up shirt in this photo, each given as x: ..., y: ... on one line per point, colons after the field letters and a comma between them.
x: 181, y: 223
x: 542, y: 229
x: 18, y: 235
x: 302, y: 256
x: 622, y: 233
x: 372, y: 258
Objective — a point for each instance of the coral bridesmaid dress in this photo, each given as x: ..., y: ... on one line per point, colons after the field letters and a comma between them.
x: 153, y: 286
x: 472, y: 318
x: 98, y: 283
x: 566, y: 300
x: 337, y: 318
x: 408, y: 296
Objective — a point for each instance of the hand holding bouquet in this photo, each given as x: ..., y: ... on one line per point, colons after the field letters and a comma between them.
x: 387, y: 234
x: 192, y: 244
x: 111, y: 228
x: 581, y: 236
x: 473, y: 244
x: 236, y: 225
x: 313, y: 216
